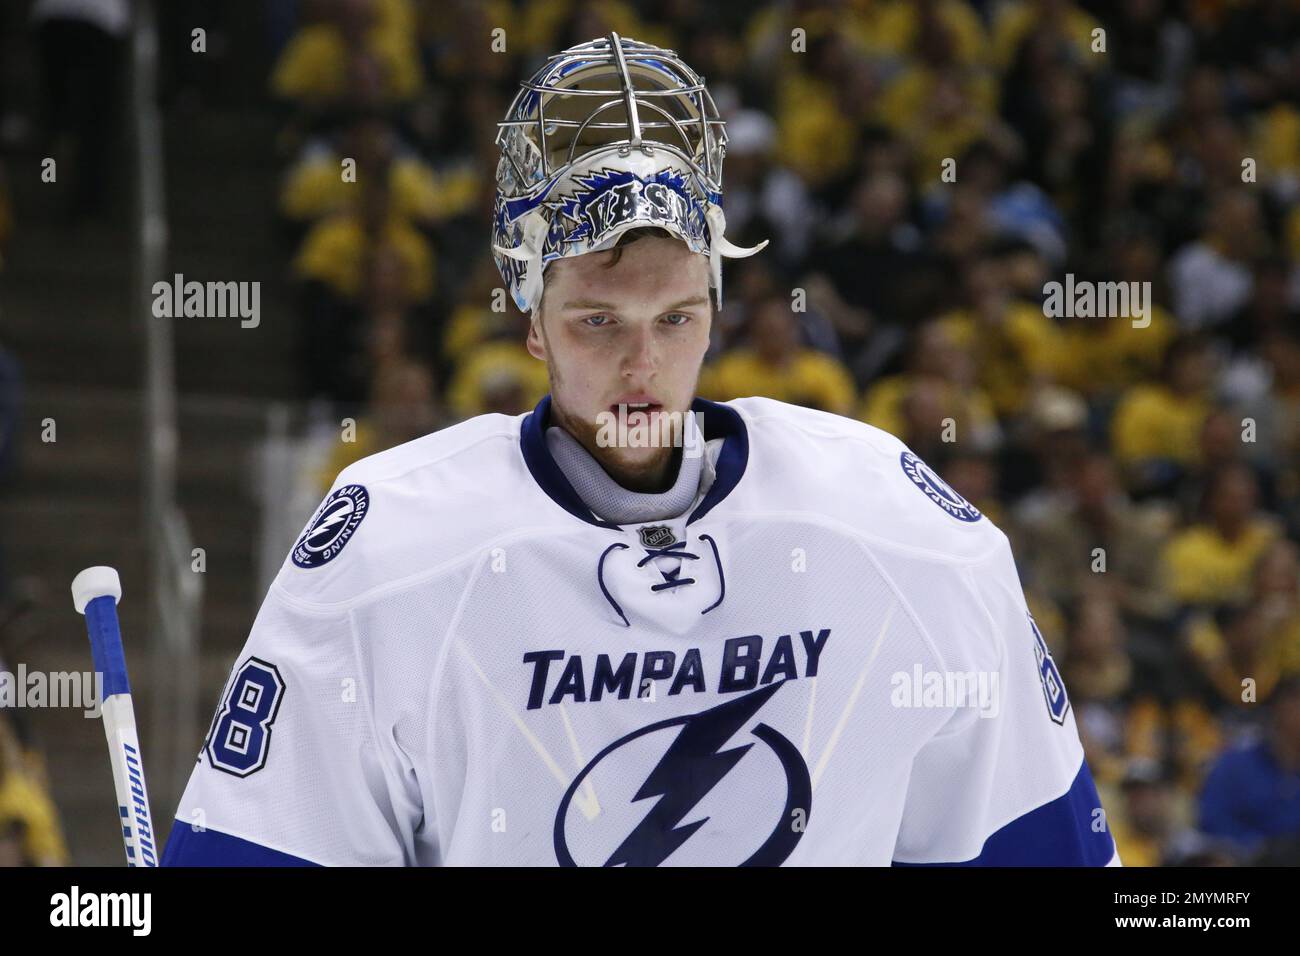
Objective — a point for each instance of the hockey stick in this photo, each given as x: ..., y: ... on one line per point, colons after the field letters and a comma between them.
x: 95, y: 593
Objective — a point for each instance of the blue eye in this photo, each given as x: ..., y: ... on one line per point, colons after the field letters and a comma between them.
x: 597, y: 325
x: 680, y: 315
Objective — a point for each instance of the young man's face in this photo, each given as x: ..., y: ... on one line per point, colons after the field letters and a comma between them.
x: 635, y: 332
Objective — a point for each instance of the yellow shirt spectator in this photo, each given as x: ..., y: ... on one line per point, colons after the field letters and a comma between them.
x: 1135, y: 849
x: 316, y: 188
x: 313, y: 68
x: 1154, y: 422
x: 769, y: 30
x: 815, y: 139
x: 897, y: 27
x: 487, y: 365
x: 939, y: 113
x: 1099, y: 356
x: 1017, y: 19
x: 469, y: 326
x: 335, y: 250
x: 1277, y: 655
x: 22, y: 800
x: 1014, y: 354
x: 883, y: 405
x: 542, y: 20
x: 1202, y: 567
x: 809, y: 378
x: 366, y: 442
x: 1275, y: 141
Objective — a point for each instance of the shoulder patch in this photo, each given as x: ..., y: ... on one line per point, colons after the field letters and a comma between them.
x: 936, y: 489
x: 336, y: 521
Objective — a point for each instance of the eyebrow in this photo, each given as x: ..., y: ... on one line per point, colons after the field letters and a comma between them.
x: 591, y: 304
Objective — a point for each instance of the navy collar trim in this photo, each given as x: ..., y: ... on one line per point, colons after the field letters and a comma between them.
x: 720, y: 421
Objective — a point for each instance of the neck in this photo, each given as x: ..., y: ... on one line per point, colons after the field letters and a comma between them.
x: 652, y: 478
x: 648, y: 477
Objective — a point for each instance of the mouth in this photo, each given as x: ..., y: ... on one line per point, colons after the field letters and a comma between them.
x: 647, y: 406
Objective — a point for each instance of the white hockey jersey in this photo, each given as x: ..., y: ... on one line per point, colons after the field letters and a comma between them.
x: 826, y: 660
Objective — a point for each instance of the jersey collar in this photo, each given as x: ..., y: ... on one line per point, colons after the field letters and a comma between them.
x: 719, y: 421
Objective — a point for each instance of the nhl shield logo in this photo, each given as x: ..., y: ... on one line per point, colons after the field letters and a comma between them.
x: 657, y: 536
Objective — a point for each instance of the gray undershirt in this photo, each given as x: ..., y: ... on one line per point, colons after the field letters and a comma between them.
x: 612, y: 502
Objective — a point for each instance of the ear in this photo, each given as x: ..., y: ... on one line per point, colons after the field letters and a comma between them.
x: 536, y: 341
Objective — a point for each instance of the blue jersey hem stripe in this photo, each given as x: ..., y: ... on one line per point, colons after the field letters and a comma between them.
x: 209, y: 847
x: 1059, y: 833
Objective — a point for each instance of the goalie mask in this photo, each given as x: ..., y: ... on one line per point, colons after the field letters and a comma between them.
x: 607, y: 136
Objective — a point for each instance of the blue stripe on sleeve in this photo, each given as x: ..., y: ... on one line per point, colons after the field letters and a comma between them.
x: 209, y: 847
x: 1059, y: 833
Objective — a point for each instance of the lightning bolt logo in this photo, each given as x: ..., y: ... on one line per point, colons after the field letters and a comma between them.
x: 691, y: 767
x: 337, y: 519
x: 330, y: 521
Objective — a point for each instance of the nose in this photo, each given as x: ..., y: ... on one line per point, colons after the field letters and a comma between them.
x: 641, y: 357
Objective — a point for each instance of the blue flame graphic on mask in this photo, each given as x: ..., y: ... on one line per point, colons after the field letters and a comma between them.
x: 589, y: 190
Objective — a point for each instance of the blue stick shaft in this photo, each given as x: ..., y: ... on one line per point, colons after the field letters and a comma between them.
x: 106, y: 645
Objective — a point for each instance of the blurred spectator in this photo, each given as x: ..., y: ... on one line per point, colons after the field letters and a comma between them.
x: 1051, y: 446
x: 1019, y: 21
x: 498, y: 374
x: 1211, y: 277
x: 1118, y: 709
x: 974, y: 475
x: 82, y: 48
x: 765, y: 200
x: 1257, y: 640
x: 1271, y: 309
x: 1102, y: 356
x: 1276, y: 420
x: 1252, y: 793
x: 1057, y: 545
x: 341, y: 325
x: 29, y: 826
x: 335, y: 251
x: 1152, y: 51
x: 1148, y: 826
x: 776, y: 364
x: 1156, y: 427
x: 315, y: 187
x: 819, y: 107
x: 1015, y: 347
x: 357, y: 45
x: 1258, y: 44
x: 403, y: 407
x: 1210, y: 562
x: 935, y: 357
x: 873, y: 245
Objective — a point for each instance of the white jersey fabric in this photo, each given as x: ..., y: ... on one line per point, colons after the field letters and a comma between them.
x: 460, y: 664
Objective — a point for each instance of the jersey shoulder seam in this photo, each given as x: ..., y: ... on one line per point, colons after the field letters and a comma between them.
x: 393, y: 476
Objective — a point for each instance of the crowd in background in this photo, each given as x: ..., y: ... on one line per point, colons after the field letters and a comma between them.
x: 1146, y: 465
